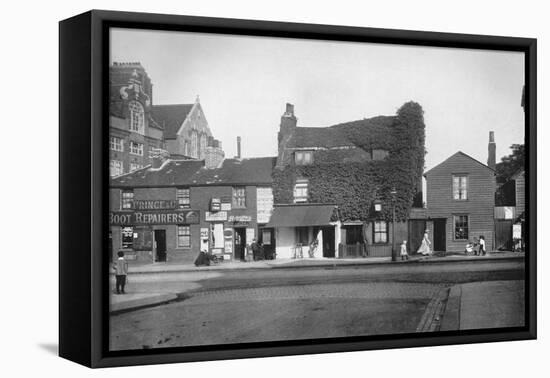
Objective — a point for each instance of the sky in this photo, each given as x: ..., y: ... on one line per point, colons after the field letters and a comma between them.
x: 244, y: 83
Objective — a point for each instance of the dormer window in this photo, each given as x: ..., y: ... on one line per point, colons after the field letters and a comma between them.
x: 137, y: 117
x: 303, y: 157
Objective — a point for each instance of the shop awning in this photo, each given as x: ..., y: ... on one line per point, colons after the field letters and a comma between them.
x: 301, y: 215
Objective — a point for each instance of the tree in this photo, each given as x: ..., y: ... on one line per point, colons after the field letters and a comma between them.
x: 511, y: 164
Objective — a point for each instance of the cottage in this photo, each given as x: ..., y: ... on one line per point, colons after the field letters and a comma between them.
x: 460, y: 201
x: 327, y: 180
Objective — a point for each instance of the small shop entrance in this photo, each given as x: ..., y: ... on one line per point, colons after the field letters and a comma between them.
x: 160, y: 242
x: 440, y: 235
x: 328, y: 242
x: 267, y: 238
x: 240, y: 243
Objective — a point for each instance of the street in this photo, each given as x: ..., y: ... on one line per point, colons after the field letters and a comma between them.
x: 302, y: 303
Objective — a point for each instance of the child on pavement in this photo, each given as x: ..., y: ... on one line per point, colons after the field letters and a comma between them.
x: 121, y: 270
x: 404, y: 254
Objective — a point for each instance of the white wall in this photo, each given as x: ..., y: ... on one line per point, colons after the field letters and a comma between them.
x: 29, y: 45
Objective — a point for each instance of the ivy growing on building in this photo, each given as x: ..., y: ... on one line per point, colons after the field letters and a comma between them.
x: 355, y: 185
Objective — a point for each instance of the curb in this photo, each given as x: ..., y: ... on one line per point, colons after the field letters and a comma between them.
x: 328, y: 265
x: 135, y: 304
x: 451, y: 316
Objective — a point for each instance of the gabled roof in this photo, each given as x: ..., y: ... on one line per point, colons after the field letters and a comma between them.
x: 459, y: 153
x: 171, y: 117
x: 251, y: 171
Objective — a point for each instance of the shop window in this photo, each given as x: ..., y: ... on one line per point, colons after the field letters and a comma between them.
x: 303, y: 157
x: 136, y: 148
x: 127, y: 199
x: 184, y: 236
x: 115, y: 168
x: 302, y: 235
x: 380, y: 232
x: 127, y: 237
x: 116, y: 144
x: 301, y: 190
x: 137, y: 117
x: 217, y: 235
x: 461, y: 227
x: 460, y: 187
x: 239, y: 197
x: 183, y: 197
x: 354, y: 234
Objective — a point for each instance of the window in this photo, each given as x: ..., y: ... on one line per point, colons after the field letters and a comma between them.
x: 182, y: 195
x: 135, y: 166
x: 127, y: 199
x: 184, y: 236
x: 460, y: 187
x: 202, y: 151
x: 461, y: 227
x: 380, y: 230
x: 300, y: 190
x: 115, y: 168
x: 303, y: 157
x: 116, y: 144
x: 379, y: 154
x: 239, y: 197
x: 266, y: 237
x: 136, y: 117
x: 136, y: 148
x: 302, y: 235
x: 194, y: 144
x: 127, y: 237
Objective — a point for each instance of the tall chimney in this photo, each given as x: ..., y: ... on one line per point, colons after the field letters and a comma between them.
x: 286, y: 130
x: 492, y: 159
x: 238, y: 147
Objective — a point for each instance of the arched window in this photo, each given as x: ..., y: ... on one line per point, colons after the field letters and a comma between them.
x: 194, y: 144
x: 136, y: 117
x: 202, y: 151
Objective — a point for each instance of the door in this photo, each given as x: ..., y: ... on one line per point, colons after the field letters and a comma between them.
x: 160, y: 241
x: 240, y: 243
x: 417, y: 227
x: 440, y: 235
x: 267, y: 238
x: 503, y: 234
x: 328, y: 242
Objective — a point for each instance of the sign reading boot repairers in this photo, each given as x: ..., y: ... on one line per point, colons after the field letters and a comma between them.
x: 135, y: 218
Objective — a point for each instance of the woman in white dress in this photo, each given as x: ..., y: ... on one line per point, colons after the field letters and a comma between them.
x: 425, y: 246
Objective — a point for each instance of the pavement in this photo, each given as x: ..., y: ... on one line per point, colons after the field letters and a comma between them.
x: 460, y: 299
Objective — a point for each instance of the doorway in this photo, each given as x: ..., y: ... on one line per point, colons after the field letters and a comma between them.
x: 160, y: 242
x: 440, y: 235
x: 417, y: 227
x: 240, y: 243
x: 328, y: 242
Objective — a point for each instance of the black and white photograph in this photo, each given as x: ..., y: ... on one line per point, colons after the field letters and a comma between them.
x: 269, y: 189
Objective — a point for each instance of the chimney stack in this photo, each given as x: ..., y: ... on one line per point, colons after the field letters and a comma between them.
x: 238, y: 147
x: 492, y: 159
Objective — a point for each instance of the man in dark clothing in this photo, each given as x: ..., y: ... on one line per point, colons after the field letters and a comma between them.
x: 255, y: 250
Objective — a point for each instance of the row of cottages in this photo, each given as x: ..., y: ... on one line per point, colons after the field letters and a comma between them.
x: 139, y: 130
x: 176, y: 208
x: 327, y: 181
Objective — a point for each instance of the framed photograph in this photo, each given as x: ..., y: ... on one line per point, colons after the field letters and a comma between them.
x: 234, y: 188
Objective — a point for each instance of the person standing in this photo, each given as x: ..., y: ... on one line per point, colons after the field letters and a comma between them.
x: 121, y: 271
x: 404, y: 254
x: 425, y: 246
x: 255, y: 249
x: 482, y: 249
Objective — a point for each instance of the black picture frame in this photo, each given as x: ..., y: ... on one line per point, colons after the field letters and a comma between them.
x: 83, y: 196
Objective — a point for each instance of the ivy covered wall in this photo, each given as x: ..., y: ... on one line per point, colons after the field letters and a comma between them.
x: 354, y: 185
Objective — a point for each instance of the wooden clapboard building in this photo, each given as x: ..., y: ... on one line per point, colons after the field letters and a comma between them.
x: 460, y: 201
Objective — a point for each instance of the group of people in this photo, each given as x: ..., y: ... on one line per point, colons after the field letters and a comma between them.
x: 477, y: 247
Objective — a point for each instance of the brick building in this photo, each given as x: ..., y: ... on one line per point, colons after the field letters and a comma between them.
x: 173, y: 210
x: 140, y: 130
x: 327, y: 180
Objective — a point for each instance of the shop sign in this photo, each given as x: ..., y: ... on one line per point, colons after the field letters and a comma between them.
x: 226, y: 206
x: 215, y: 204
x: 516, y: 231
x: 204, y: 233
x: 137, y: 218
x: 228, y: 245
x: 155, y: 204
x: 219, y: 216
x: 241, y: 219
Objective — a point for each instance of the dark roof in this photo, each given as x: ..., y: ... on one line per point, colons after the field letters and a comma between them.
x: 301, y: 215
x: 252, y: 171
x: 456, y: 154
x: 171, y: 117
x: 362, y: 133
